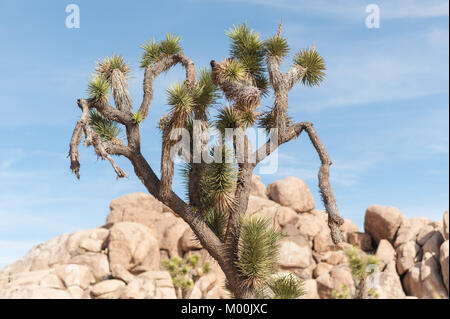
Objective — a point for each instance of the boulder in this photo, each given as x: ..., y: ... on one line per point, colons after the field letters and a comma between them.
x: 425, y: 233
x: 258, y: 188
x: 338, y: 278
x: 424, y: 280
x: 310, y: 287
x: 106, y: 286
x: 443, y: 258
x: 33, y: 292
x: 323, y: 242
x: 309, y: 225
x: 150, y: 285
x: 335, y: 257
x: 189, y: 242
x: 133, y: 248
x: 433, y: 244
x: 385, y: 253
x: 407, y: 256
x: 348, y: 227
x: 382, y: 222
x: 293, y: 255
x: 40, y: 257
x: 361, y: 240
x: 75, y: 275
x: 139, y: 208
x: 52, y: 281
x: 285, y: 216
x: 262, y: 207
x: 292, y: 192
x: 170, y: 230
x: 204, y: 285
x: 387, y: 285
x: 97, y: 262
x: 409, y: 230
x: 322, y: 268
x: 28, y: 278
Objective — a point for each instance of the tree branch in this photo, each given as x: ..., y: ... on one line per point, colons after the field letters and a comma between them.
x: 326, y: 191
x: 92, y: 138
x: 164, y: 64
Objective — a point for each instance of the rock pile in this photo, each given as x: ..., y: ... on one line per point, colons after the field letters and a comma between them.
x: 122, y: 259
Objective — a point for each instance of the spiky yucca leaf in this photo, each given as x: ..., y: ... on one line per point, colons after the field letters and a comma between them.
x: 205, y: 93
x: 266, y: 120
x: 171, y: 45
x: 228, y: 117
x: 262, y: 83
x: 234, y: 71
x: 137, y: 117
x: 98, y: 88
x: 277, y: 46
x: 259, y: 245
x: 152, y: 52
x: 313, y: 66
x: 286, y: 287
x: 108, y: 130
x: 180, y: 98
x: 219, y: 182
x: 247, y: 117
x: 217, y: 221
x: 248, y: 48
x: 109, y: 64
x: 359, y: 263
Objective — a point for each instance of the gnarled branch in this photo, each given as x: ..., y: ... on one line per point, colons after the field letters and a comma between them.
x: 92, y: 138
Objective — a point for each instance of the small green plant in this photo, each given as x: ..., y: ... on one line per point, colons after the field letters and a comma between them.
x: 362, y: 266
x: 137, y: 117
x: 185, y: 272
x: 343, y: 294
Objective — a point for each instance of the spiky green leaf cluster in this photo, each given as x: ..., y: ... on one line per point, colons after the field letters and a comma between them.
x: 153, y: 50
x: 266, y: 120
x: 227, y: 117
x: 230, y: 117
x: 360, y: 264
x: 137, y: 117
x: 277, y: 46
x: 205, y: 92
x: 98, y: 88
x: 109, y: 64
x: 247, y: 117
x: 313, y: 65
x: 248, y: 48
x: 216, y: 220
x: 185, y: 271
x: 344, y: 293
x: 219, y: 181
x: 234, y: 71
x: 259, y: 245
x: 180, y: 97
x: 171, y: 45
x: 286, y: 287
x: 107, y: 129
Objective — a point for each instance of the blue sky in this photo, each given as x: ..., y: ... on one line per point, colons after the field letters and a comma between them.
x: 382, y: 111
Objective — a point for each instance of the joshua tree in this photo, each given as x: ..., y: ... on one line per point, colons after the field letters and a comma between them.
x: 217, y: 191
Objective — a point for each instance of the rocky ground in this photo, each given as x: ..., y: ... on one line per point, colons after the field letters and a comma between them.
x: 122, y: 259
